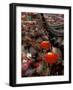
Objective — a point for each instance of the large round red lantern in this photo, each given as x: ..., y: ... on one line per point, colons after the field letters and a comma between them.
x: 45, y: 44
x: 51, y: 57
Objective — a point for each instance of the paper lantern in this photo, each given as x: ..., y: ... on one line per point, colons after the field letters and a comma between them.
x: 45, y: 44
x: 51, y: 57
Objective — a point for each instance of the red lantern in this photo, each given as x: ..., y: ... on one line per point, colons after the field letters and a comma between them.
x: 45, y: 44
x: 51, y: 57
